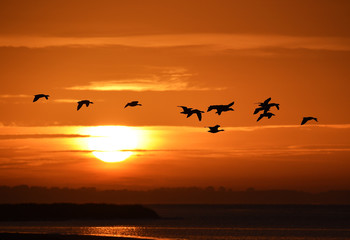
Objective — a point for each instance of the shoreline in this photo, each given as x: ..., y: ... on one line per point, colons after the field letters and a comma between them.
x: 52, y: 236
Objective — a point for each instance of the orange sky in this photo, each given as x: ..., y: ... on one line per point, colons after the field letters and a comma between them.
x: 166, y: 54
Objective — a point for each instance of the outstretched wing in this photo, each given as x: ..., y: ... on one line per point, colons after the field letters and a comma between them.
x: 211, y: 107
x: 80, y: 104
x: 267, y: 101
x: 219, y: 111
x: 257, y: 110
x: 36, y: 97
x: 199, y: 115
x: 304, y: 121
x: 260, y: 117
x: 189, y: 114
x: 127, y: 105
x: 230, y: 104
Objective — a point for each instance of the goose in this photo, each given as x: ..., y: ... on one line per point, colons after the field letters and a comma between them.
x: 268, y: 115
x: 215, y: 129
x: 38, y: 96
x: 221, y: 108
x: 82, y: 102
x: 306, y: 119
x: 133, y: 104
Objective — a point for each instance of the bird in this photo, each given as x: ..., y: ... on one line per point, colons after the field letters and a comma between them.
x: 268, y: 115
x: 185, y: 110
x: 82, y: 102
x: 38, y: 96
x: 196, y: 111
x: 221, y: 108
x: 306, y: 119
x: 215, y: 129
x: 133, y: 104
x: 265, y: 106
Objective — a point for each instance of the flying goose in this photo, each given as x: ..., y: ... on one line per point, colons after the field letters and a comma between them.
x: 82, y: 102
x: 38, y: 96
x: 306, y: 119
x: 221, y: 108
x: 215, y: 129
x: 133, y: 104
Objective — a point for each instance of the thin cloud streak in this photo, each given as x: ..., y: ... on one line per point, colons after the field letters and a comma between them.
x: 217, y: 41
x: 29, y: 136
x: 139, y: 85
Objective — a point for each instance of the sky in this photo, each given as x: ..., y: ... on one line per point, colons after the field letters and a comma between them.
x: 166, y: 54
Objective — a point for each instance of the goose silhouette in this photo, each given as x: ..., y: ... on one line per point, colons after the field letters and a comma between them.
x: 221, y: 108
x: 196, y: 111
x: 82, y: 102
x: 185, y: 110
x: 133, y: 104
x: 215, y: 129
x: 306, y: 119
x: 268, y: 115
x: 38, y: 96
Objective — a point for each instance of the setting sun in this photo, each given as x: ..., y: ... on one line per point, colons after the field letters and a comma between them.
x: 112, y: 143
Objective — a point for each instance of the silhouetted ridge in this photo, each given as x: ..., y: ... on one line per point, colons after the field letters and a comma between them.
x: 70, y: 211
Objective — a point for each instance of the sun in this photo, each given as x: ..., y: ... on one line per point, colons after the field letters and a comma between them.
x: 112, y: 143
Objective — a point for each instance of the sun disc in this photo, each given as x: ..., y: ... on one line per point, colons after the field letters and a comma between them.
x: 110, y: 143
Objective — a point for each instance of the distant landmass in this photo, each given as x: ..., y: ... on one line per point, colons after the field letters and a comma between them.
x: 190, y: 195
x: 70, y: 211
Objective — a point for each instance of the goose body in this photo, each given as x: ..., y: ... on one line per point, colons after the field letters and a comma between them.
x: 221, y: 108
x: 38, y: 96
x: 215, y: 129
x: 133, y: 104
x: 306, y: 119
x: 82, y: 102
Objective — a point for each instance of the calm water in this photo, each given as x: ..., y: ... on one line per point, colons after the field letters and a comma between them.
x: 213, y: 222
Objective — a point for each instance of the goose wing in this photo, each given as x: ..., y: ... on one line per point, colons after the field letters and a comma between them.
x: 199, y: 115
x: 36, y: 97
x: 260, y: 117
x: 128, y: 104
x: 305, y: 119
x: 80, y: 104
x: 258, y: 110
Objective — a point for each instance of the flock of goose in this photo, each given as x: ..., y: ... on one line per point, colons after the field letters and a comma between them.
x: 264, y: 107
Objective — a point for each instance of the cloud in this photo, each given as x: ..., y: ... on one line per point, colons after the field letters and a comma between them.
x: 28, y: 136
x: 214, y: 40
x: 169, y: 80
x: 15, y: 96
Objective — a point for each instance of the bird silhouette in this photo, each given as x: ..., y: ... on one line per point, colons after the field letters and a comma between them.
x: 196, y: 111
x: 221, y: 108
x: 268, y: 115
x: 215, y: 129
x: 185, y: 110
x: 306, y: 119
x: 38, y: 96
x: 265, y: 106
x: 82, y: 102
x: 133, y: 104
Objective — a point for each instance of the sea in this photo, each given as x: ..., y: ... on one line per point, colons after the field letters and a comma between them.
x: 202, y: 222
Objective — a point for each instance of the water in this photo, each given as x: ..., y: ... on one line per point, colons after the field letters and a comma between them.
x: 200, y: 222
